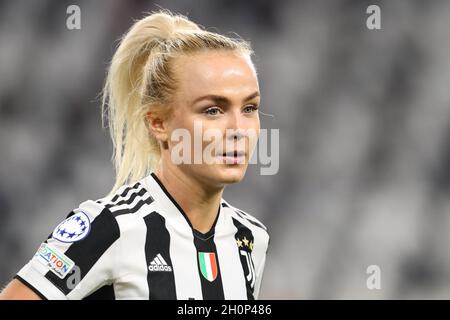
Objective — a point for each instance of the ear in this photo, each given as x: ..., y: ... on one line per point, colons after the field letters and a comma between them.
x: 157, y: 126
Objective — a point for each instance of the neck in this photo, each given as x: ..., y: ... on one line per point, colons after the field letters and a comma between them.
x: 199, y: 202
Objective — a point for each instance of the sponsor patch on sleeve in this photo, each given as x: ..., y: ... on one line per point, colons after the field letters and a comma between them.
x: 55, y: 261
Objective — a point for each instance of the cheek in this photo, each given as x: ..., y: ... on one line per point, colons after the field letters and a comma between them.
x: 253, y: 125
x: 253, y: 133
x: 180, y: 119
x: 257, y: 125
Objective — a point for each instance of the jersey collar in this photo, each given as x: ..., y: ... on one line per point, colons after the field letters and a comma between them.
x: 155, y: 185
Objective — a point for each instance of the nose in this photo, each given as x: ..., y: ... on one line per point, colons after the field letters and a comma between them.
x: 235, y: 130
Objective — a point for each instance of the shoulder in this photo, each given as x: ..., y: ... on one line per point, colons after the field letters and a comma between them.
x: 90, y: 221
x: 246, y: 219
x: 104, y: 219
x: 125, y: 207
x: 128, y: 199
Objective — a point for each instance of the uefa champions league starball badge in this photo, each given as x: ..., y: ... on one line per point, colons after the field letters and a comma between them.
x: 74, y: 228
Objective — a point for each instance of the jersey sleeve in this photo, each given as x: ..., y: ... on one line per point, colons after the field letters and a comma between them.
x: 78, y: 257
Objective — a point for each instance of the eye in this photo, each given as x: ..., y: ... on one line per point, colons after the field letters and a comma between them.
x: 250, y: 108
x: 212, y: 111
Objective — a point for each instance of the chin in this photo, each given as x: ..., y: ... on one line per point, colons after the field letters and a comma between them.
x: 229, y: 174
x: 218, y: 176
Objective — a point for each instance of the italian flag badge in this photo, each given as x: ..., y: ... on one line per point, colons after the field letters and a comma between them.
x: 208, y: 265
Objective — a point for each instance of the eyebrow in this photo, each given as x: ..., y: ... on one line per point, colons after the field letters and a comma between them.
x: 224, y: 100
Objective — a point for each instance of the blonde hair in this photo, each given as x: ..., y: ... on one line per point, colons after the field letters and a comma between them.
x: 140, y: 80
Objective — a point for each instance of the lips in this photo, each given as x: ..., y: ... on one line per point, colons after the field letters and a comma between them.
x: 233, y: 154
x: 233, y: 157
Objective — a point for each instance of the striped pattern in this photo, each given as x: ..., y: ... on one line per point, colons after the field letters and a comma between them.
x: 159, y: 276
x: 129, y: 200
x: 245, y: 215
x: 143, y: 246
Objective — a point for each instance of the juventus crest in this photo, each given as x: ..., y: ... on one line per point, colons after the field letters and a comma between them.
x: 245, y: 247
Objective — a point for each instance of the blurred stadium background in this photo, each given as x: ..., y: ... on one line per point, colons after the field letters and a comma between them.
x: 364, y: 119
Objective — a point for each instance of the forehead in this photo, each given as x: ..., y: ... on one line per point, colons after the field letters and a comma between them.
x: 223, y: 73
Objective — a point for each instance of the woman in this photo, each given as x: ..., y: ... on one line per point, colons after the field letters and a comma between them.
x: 164, y: 231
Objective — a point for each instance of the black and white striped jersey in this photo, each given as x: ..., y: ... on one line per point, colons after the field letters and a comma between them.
x: 139, y: 244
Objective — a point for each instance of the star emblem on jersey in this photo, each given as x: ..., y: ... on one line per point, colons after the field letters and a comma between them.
x: 244, y: 243
x: 74, y: 228
x: 159, y: 264
x: 208, y: 265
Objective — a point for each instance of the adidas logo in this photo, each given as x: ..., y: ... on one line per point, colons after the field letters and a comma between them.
x: 159, y: 264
